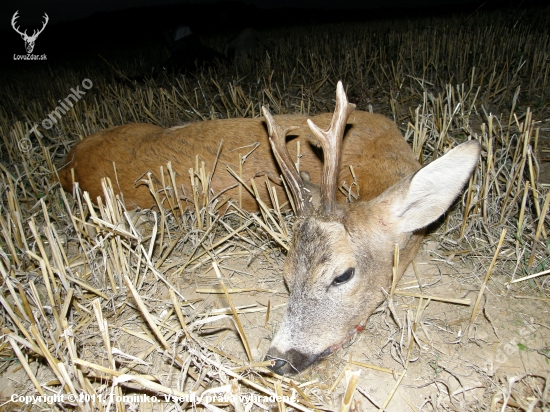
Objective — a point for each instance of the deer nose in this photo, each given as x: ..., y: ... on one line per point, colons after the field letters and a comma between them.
x: 278, y: 365
x: 289, y: 362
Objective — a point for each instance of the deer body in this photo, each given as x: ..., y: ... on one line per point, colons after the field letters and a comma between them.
x: 372, y: 145
x: 341, y: 258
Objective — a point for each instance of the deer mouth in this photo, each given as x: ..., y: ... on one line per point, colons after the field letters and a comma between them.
x: 348, y: 340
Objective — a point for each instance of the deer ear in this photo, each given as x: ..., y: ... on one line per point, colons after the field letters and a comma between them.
x: 432, y: 190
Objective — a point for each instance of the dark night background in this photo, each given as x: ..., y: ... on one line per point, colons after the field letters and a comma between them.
x: 82, y: 27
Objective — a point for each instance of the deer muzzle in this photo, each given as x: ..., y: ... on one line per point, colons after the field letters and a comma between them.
x: 290, y: 362
x: 293, y: 361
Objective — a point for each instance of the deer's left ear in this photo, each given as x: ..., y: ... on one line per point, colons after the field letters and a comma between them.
x: 432, y: 190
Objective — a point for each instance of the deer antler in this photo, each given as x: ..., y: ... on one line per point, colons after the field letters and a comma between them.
x: 331, y: 142
x: 13, y: 22
x: 277, y: 139
x: 24, y: 34
x: 35, y: 35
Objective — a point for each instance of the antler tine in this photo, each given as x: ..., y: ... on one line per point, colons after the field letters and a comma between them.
x: 331, y: 142
x: 277, y: 139
x: 43, y: 25
x: 14, y: 22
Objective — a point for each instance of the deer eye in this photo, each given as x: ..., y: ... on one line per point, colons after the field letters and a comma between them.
x: 344, y: 277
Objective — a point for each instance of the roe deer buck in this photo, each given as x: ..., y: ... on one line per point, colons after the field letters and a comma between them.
x: 341, y: 255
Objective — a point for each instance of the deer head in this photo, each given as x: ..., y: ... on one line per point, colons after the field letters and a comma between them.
x: 341, y: 256
x: 29, y: 40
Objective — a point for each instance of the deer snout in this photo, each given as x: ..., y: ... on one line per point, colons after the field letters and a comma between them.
x: 290, y: 362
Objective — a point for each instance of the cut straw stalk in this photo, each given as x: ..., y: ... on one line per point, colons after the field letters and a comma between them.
x: 535, y: 275
x: 522, y: 211
x: 279, y: 392
x: 25, y: 365
x: 209, y: 249
x: 150, y: 321
x: 234, y: 290
x: 234, y: 311
x: 394, y: 389
x: 144, y: 380
x: 50, y: 358
x: 540, y: 229
x: 487, y: 275
x: 265, y: 211
x: 373, y: 367
x: 467, y: 206
x: 352, y: 379
x: 21, y: 304
x: 466, y: 302
x: 532, y: 298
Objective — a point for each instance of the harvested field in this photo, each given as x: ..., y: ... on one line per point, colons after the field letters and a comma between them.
x: 103, y: 308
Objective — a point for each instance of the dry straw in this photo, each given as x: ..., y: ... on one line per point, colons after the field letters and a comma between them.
x: 94, y: 296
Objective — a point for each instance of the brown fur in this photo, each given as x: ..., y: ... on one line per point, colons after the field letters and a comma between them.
x: 372, y: 145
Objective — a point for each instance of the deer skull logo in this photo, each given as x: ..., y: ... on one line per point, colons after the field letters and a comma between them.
x: 29, y: 40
